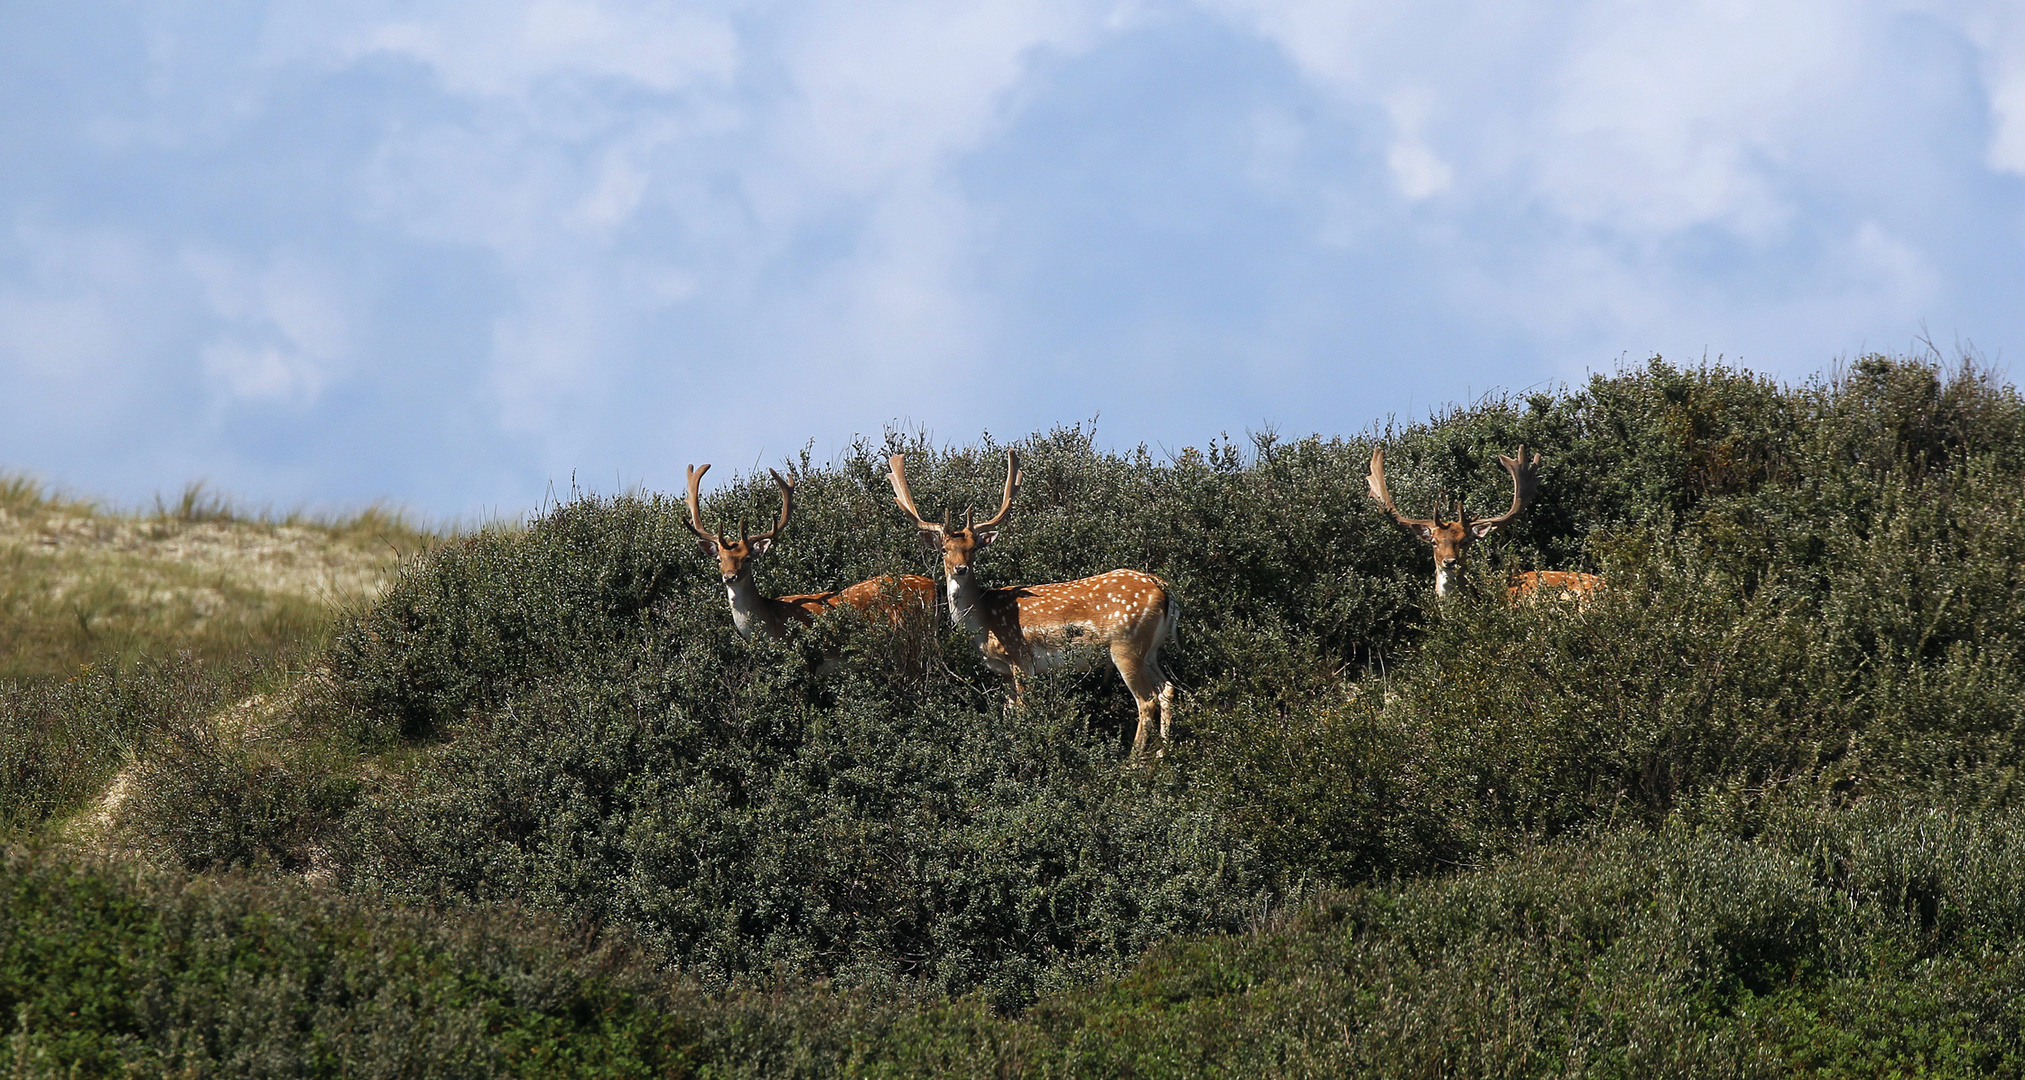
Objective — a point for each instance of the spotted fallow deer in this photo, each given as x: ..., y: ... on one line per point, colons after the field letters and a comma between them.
x: 1033, y: 628
x: 1451, y: 540
x: 900, y: 597
x: 1564, y: 585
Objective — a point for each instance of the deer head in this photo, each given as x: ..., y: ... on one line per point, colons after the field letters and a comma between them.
x: 958, y: 543
x: 1452, y: 539
x: 734, y: 557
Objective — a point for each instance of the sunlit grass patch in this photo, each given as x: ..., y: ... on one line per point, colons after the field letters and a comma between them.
x: 80, y: 584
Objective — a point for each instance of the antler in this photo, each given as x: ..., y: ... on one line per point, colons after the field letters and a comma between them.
x: 1376, y: 479
x: 905, y: 498
x: 787, y: 507
x: 1013, y: 479
x: 695, y: 522
x: 696, y: 515
x: 1524, y: 482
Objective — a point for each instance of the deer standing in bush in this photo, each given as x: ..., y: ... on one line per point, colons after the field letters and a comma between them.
x: 1451, y: 540
x: 1026, y: 629
x: 900, y: 597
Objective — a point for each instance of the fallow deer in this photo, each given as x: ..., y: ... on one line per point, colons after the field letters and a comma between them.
x: 1564, y: 585
x: 1033, y: 628
x: 901, y: 597
x: 1451, y: 539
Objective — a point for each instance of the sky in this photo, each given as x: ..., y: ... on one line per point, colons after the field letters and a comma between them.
x: 456, y: 256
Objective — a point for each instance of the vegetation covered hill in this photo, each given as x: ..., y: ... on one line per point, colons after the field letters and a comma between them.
x: 115, y: 624
x: 536, y: 808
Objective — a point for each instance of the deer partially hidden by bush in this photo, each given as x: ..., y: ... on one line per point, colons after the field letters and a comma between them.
x: 1126, y: 614
x: 899, y: 597
x: 1566, y: 585
x: 1451, y: 540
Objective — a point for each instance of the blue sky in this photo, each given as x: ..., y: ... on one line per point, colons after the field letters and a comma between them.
x: 451, y: 254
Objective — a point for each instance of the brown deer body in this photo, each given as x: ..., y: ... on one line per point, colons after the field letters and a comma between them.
x: 1123, y: 614
x: 1564, y: 585
x: 752, y: 612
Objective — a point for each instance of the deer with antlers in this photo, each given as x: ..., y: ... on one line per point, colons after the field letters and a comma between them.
x: 1033, y: 628
x: 899, y: 597
x: 1451, y: 539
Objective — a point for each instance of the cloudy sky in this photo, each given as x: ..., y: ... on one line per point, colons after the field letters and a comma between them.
x: 452, y: 253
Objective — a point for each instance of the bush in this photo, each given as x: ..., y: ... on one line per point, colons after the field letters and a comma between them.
x: 107, y: 972
x: 1839, y: 944
x: 749, y: 819
x: 60, y: 743
x: 1812, y: 599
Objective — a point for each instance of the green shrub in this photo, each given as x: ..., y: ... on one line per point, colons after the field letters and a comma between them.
x: 746, y: 818
x: 216, y: 799
x: 60, y: 743
x: 108, y: 971
x: 1823, y: 948
x: 1792, y: 617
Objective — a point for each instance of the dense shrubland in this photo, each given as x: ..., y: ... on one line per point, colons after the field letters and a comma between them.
x: 1748, y: 812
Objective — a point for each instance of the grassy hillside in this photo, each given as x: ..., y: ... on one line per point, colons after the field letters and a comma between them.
x: 1749, y: 812
x: 82, y: 585
x: 116, y: 627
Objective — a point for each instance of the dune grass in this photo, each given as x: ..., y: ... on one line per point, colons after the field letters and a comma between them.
x: 81, y: 585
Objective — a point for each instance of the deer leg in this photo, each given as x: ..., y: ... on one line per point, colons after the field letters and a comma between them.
x: 1147, y: 689
x: 1166, y: 696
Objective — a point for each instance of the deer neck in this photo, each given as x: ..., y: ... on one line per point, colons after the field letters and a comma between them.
x: 750, y: 612
x: 966, y: 602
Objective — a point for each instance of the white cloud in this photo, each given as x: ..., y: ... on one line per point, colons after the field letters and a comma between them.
x: 1631, y: 173
x: 256, y: 373
x: 853, y: 128
x: 619, y: 187
x: 281, y: 332
x: 545, y: 359
x: 82, y: 310
x: 746, y: 222
x: 1416, y: 169
x: 1667, y: 118
x: 1638, y: 118
x: 1997, y: 31
x: 890, y: 86
x: 511, y: 49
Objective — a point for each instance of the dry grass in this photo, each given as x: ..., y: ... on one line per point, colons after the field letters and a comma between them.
x: 80, y: 584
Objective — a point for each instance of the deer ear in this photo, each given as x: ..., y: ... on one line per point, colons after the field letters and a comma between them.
x: 1424, y: 532
x: 758, y: 545
x: 708, y: 548
x: 1481, y: 529
x: 984, y: 538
